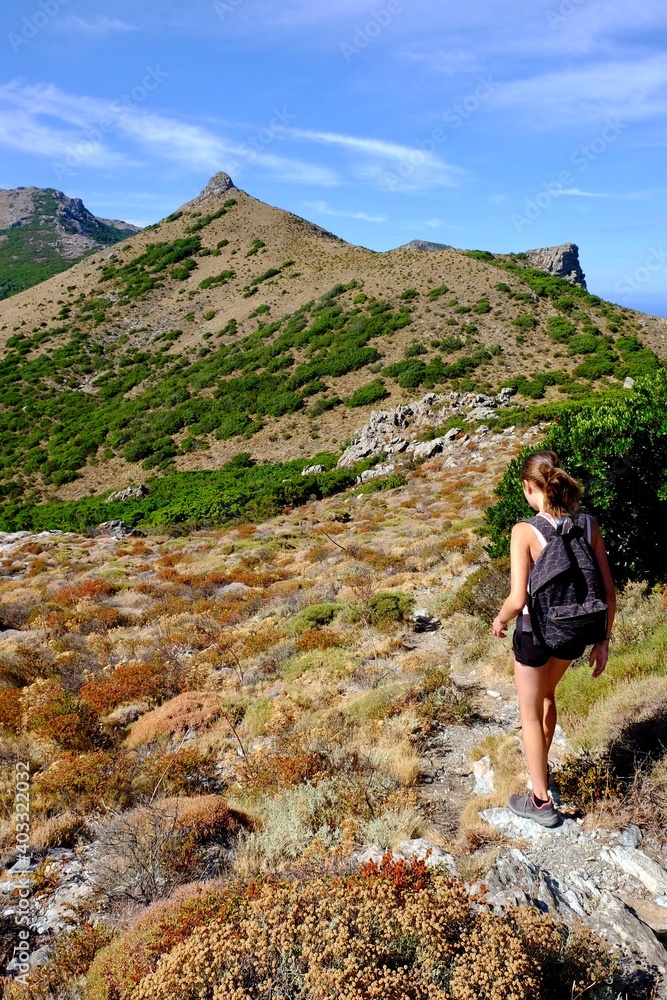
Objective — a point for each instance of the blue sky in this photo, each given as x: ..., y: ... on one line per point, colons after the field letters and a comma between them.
x: 483, y: 125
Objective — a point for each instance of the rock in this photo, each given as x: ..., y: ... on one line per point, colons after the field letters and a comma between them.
x: 638, y: 865
x: 628, y: 383
x: 484, y: 777
x: 649, y: 911
x: 129, y: 493
x: 505, y: 395
x: 425, y: 245
x: 218, y: 185
x: 312, y: 470
x: 234, y: 589
x: 423, y: 850
x: 562, y: 262
x: 493, y: 694
x: 424, y: 622
x: 623, y: 929
x: 376, y: 472
x: 379, y: 434
x: 630, y: 838
x: 117, y: 529
x: 517, y: 827
x: 462, y: 682
x: 425, y: 449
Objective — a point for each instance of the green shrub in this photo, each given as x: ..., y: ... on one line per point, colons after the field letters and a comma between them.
x: 435, y: 293
x: 482, y: 306
x: 367, y: 394
x: 483, y: 592
x: 409, y: 294
x: 617, y: 447
x: 584, y: 343
x: 387, y: 608
x: 314, y: 617
x: 525, y: 322
x: 414, y: 349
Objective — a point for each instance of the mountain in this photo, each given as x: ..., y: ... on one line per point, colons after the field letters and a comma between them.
x: 43, y: 232
x: 232, y: 327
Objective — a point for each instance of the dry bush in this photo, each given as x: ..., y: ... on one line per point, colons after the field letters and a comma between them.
x: 302, y: 756
x: 389, y: 932
x: 64, y: 830
x: 86, y: 782
x: 435, y: 700
x: 320, y: 638
x: 185, y: 771
x: 132, y: 682
x: 143, y: 854
x: 61, y: 716
x: 483, y: 592
x: 94, y: 590
x: 10, y: 709
x: 190, y: 711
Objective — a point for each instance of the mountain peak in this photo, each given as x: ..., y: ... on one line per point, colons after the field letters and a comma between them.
x: 216, y: 187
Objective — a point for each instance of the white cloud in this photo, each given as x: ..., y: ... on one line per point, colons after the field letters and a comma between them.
x: 322, y: 208
x: 99, y: 26
x: 101, y: 133
x: 389, y: 166
x: 627, y: 90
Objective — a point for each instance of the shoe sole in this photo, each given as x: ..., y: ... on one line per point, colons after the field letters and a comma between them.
x: 552, y: 821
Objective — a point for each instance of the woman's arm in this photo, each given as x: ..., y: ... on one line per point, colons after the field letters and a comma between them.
x: 600, y: 650
x: 519, y: 570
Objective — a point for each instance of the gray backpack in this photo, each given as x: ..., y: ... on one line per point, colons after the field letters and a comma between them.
x: 566, y: 595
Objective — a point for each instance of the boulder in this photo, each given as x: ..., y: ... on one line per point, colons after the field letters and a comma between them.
x: 312, y: 470
x: 117, y: 529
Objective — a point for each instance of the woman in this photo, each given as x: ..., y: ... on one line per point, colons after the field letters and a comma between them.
x: 537, y: 668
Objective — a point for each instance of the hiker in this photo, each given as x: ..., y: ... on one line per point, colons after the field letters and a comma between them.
x: 562, y: 600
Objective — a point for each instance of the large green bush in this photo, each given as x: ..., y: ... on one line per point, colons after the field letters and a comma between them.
x: 617, y: 448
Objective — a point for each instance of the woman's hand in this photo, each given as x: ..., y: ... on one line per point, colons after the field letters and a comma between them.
x: 598, y: 656
x: 499, y: 627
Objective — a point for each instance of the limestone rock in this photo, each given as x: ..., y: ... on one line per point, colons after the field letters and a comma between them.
x: 312, y: 470
x: 518, y: 827
x: 562, y: 262
x: 638, y: 865
x: 628, y: 383
x: 484, y: 777
x: 615, y: 921
x: 375, y: 473
x: 425, y: 245
x: 129, y: 493
x: 218, y: 185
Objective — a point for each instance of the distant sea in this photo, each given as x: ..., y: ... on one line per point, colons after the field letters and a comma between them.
x: 655, y: 304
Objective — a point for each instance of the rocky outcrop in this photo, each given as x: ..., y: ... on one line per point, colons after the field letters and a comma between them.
x: 600, y: 877
x: 389, y: 431
x: 218, y: 185
x: 562, y: 261
x: 129, y: 493
x: 425, y: 245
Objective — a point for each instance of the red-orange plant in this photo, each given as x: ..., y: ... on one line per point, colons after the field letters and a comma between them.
x: 129, y: 682
x: 10, y: 709
x: 89, y: 590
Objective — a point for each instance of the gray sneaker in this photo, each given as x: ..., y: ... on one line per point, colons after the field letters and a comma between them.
x: 526, y: 807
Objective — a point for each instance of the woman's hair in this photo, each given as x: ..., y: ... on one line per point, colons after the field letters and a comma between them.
x: 562, y: 493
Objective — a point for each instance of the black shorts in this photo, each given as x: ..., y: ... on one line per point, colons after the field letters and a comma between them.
x: 529, y: 651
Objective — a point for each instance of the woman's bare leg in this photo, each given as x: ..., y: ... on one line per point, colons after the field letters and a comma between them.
x: 555, y: 670
x: 536, y: 690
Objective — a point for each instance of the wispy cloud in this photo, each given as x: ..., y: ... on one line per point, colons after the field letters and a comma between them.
x: 46, y: 121
x: 383, y: 163
x: 630, y: 90
x: 99, y: 26
x: 613, y: 195
x: 322, y: 208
